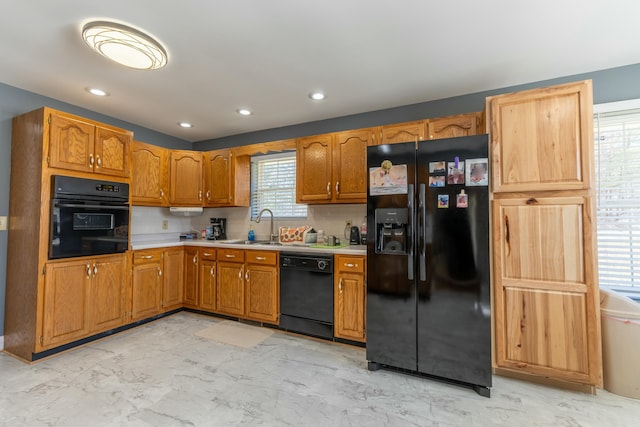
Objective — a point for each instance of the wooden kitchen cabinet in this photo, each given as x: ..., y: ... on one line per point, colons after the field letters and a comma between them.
x: 546, y: 295
x: 82, y: 145
x: 349, y: 297
x: 150, y: 177
x: 542, y: 139
x: 314, y: 169
x: 248, y: 284
x: 332, y: 168
x: 107, y: 299
x: 186, y: 178
x: 173, y: 278
x: 207, y: 280
x: 455, y: 126
x: 146, y: 284
x: 230, y: 297
x: 81, y: 297
x: 191, y: 275
x: 401, y: 132
x: 545, y: 284
x: 227, y: 179
x: 262, y: 286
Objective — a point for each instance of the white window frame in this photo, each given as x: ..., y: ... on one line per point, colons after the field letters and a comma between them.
x: 283, y: 206
x: 605, y: 263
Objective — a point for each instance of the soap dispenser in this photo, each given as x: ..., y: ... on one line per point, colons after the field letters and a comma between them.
x: 252, y: 235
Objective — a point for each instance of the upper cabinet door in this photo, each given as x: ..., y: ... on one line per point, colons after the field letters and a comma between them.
x: 542, y: 139
x: 150, y: 180
x: 350, y: 165
x: 186, y: 178
x: 402, y: 132
x: 112, y: 151
x: 71, y: 144
x: 453, y: 126
x: 218, y: 189
x: 313, y: 169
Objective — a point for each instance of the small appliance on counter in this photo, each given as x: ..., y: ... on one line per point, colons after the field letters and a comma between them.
x: 354, y: 236
x: 218, y: 229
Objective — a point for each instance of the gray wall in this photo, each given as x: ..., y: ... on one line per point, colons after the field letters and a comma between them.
x: 610, y: 85
x: 14, y: 102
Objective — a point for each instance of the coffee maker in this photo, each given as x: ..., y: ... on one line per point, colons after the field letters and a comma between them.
x: 218, y: 229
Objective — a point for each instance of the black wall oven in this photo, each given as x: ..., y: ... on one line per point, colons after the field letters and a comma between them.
x: 88, y: 217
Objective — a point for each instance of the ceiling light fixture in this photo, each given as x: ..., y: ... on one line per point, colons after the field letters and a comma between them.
x: 125, y: 45
x: 243, y: 111
x: 97, y: 92
x: 185, y: 125
x: 317, y: 96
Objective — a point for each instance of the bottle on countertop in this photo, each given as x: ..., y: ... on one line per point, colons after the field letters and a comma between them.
x: 251, y: 236
x: 320, y: 238
x: 363, y: 232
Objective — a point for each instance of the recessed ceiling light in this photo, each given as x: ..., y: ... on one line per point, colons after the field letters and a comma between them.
x: 317, y: 96
x: 125, y: 45
x: 186, y: 125
x: 97, y: 92
x: 243, y: 111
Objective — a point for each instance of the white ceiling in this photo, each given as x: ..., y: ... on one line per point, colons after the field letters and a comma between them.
x: 267, y: 55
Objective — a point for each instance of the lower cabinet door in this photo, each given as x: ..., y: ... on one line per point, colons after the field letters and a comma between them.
x: 147, y: 290
x: 66, y: 293
x: 230, y: 298
x: 207, y: 284
x: 349, y: 295
x: 262, y: 293
x: 107, y: 297
x: 191, y: 272
x: 173, y: 278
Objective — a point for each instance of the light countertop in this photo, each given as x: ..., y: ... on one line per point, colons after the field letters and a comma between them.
x: 150, y: 243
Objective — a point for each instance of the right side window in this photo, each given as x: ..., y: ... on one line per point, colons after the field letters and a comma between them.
x: 617, y: 162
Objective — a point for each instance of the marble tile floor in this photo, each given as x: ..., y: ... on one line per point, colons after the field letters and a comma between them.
x: 160, y: 374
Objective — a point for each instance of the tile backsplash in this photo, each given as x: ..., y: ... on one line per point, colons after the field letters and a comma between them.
x: 328, y: 218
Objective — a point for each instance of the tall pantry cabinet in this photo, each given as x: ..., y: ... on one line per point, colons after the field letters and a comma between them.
x: 53, y: 302
x: 546, y: 296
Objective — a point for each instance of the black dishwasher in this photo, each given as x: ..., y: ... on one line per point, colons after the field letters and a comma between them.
x: 306, y: 294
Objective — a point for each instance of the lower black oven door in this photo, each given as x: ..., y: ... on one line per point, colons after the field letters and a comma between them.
x: 86, y: 228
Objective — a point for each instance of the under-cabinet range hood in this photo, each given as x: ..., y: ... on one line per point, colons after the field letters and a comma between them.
x: 186, y: 211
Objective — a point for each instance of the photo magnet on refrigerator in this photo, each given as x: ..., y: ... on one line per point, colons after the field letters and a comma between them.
x: 462, y: 200
x: 443, y: 201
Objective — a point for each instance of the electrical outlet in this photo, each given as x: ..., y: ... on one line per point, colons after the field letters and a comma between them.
x: 3, y: 222
x: 348, y: 224
x: 165, y: 224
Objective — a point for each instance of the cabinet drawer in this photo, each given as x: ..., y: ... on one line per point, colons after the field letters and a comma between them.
x: 147, y: 255
x: 261, y: 257
x: 231, y: 255
x: 353, y: 264
x: 207, y: 253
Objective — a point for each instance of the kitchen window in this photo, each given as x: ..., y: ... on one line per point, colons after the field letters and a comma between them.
x: 273, y: 186
x: 617, y: 161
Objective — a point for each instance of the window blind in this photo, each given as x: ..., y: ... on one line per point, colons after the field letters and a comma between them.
x: 273, y: 186
x: 617, y: 158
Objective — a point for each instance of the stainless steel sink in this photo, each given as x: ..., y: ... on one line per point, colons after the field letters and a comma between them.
x: 247, y: 242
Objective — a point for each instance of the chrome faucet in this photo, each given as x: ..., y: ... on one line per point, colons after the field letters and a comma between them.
x: 272, y: 236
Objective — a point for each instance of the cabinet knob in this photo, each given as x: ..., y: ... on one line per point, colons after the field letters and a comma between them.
x: 328, y: 188
x: 349, y: 265
x: 98, y: 161
x: 88, y: 271
x: 230, y: 256
x: 208, y: 195
x: 246, y: 275
x: 146, y: 257
x: 206, y: 254
x: 337, y: 187
x: 161, y: 192
x: 340, y: 285
x: 212, y: 272
x: 95, y: 270
x: 195, y: 258
x: 261, y: 258
x: 91, y: 160
x: 159, y: 272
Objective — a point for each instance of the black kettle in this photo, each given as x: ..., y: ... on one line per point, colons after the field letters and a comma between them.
x: 354, y: 236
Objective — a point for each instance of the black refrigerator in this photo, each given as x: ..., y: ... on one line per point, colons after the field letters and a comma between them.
x: 428, y: 289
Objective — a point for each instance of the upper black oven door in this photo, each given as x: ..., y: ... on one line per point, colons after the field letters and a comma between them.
x: 86, y: 228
